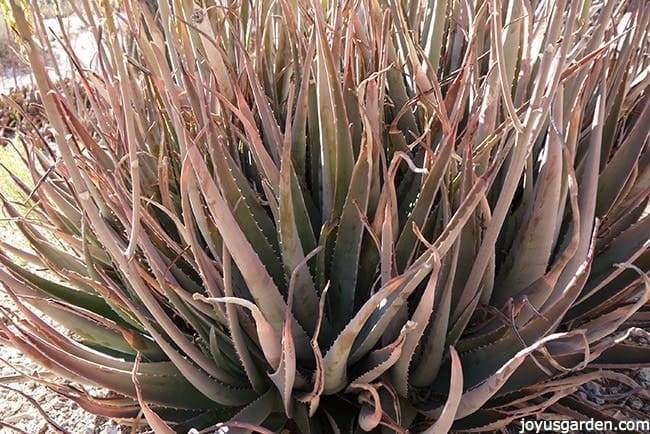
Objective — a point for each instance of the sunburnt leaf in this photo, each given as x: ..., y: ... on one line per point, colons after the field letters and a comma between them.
x: 424, y: 368
x: 474, y: 398
x: 285, y: 376
x: 60, y: 259
x: 404, y: 250
x: 381, y: 360
x: 421, y: 317
x: 239, y: 340
x: 371, y: 412
x: 480, y: 363
x: 74, y: 361
x: 383, y: 304
x: 153, y: 419
x: 449, y: 412
x: 267, y: 336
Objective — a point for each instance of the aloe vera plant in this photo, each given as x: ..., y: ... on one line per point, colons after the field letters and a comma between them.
x: 338, y: 216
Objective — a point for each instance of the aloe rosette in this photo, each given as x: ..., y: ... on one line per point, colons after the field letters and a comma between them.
x: 338, y: 216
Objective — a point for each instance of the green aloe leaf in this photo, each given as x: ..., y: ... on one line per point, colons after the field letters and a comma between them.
x: 347, y: 248
x: 334, y: 134
x: 292, y: 218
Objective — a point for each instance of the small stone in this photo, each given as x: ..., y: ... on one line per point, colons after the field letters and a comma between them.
x: 615, y: 390
x: 594, y: 388
x: 635, y: 403
x: 644, y: 375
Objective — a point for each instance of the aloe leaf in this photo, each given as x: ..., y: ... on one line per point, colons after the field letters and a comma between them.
x: 263, y: 160
x: 290, y: 218
x: 470, y: 235
x: 59, y: 206
x: 629, y: 215
x: 420, y: 213
x: 224, y: 354
x: 429, y: 358
x: 258, y: 410
x: 609, y: 322
x: 108, y: 407
x: 347, y: 248
x: 267, y: 336
x: 269, y: 125
x: 497, y: 47
x: 434, y: 31
x: 383, y: 304
x: 425, y: 79
x: 214, y: 56
x: 626, y: 246
x: 420, y: 318
x: 194, y: 374
x: 588, y: 182
x: 181, y: 299
x: 299, y: 131
x: 623, y: 356
x: 370, y: 414
x: 161, y: 385
x: 284, y: 376
x: 95, y: 327
x: 259, y: 282
x: 312, y: 398
x: 449, y: 412
x: 236, y: 332
x: 533, y: 245
x: 478, y: 365
x: 403, y: 121
x: 619, y: 168
x: 334, y: 134
x: 546, y: 288
x: 152, y: 418
x: 59, y: 258
x: 474, y: 398
x: 381, y: 360
x: 48, y: 288
x: 96, y: 332
x: 353, y: 107
x: 248, y: 212
x: 191, y: 199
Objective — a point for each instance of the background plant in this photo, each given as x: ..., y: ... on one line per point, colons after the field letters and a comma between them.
x: 340, y: 215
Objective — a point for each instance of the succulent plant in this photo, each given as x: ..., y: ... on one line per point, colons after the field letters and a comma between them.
x: 338, y: 216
